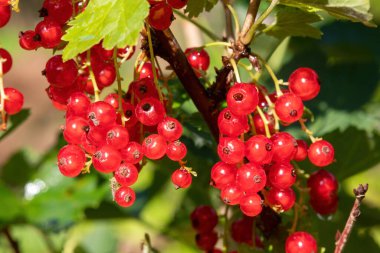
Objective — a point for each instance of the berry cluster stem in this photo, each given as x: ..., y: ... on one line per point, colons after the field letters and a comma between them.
x: 2, y: 97
x: 307, y: 131
x: 119, y: 90
x: 92, y: 76
x: 236, y: 70
x: 264, y: 119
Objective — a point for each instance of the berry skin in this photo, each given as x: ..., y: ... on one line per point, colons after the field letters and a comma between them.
x: 230, y: 124
x: 71, y: 160
x: 160, y: 16
x: 251, y: 177
x: 181, y: 178
x: 231, y: 194
x: 301, y: 153
x: 223, y: 174
x: 282, y: 175
x: 14, y: 100
x: 204, y: 219
x: 304, y: 83
x: 101, y: 114
x: 300, y: 242
x: 129, y: 114
x: 176, y: 150
x: 198, y: 59
x: 322, y: 184
x: 154, y: 146
x: 206, y: 241
x: 50, y: 33
x: 126, y: 174
x: 281, y: 200
x: 242, y: 98
x: 150, y: 111
x: 284, y: 146
x: 324, y: 206
x: 105, y: 75
x: 61, y: 74
x: 231, y: 150
x: 5, y: 55
x: 251, y: 205
x: 170, y: 128
x: 5, y: 15
x: 125, y: 196
x: 144, y: 87
x: 289, y: 108
x: 321, y: 153
x: 117, y: 137
x: 75, y: 129
x: 177, y: 4
x: 259, y: 123
x: 27, y: 40
x: 78, y: 104
x: 59, y: 11
x: 97, y: 135
x: 106, y: 159
x: 127, y: 51
x: 132, y: 153
x: 146, y: 73
x: 259, y: 149
x: 241, y: 230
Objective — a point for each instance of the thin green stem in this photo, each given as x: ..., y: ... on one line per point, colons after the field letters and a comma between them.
x: 236, y: 19
x: 273, y: 76
x: 236, y: 70
x: 264, y: 119
x: 2, y: 97
x: 216, y: 43
x: 119, y: 90
x: 92, y: 76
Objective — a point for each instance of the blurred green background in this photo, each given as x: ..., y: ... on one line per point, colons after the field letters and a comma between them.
x: 46, y: 212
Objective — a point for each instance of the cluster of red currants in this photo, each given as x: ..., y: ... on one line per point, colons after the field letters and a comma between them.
x: 11, y: 99
x: 161, y: 12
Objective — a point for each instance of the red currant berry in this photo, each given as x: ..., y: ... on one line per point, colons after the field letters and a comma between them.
x: 231, y: 150
x: 117, y: 137
x: 198, y: 59
x: 75, y: 129
x: 304, y: 83
x: 146, y: 72
x: 231, y: 194
x: 71, y: 160
x: 143, y: 88
x: 181, y: 178
x: 101, y: 52
x: 251, y: 205
x: 5, y: 15
x: 7, y: 58
x: 132, y: 153
x: 301, y: 153
x: 125, y: 196
x: 61, y: 74
x: 284, y: 146
x: 242, y: 230
x: 242, y: 98
x: 322, y: 184
x: 289, y: 108
x: 204, y: 219
x: 177, y: 4
x: 154, y: 146
x: 232, y: 125
x: 321, y: 153
x: 28, y: 41
x: 170, y: 128
x: 206, y: 241
x: 97, y: 135
x: 150, y: 111
x: 260, y: 126
x: 78, y: 104
x: 59, y: 11
x: 50, y: 33
x: 281, y: 200
x: 105, y: 75
x: 160, y: 16
x: 129, y: 114
x: 300, y: 242
x: 176, y: 150
x: 87, y: 145
x: 251, y: 177
x: 13, y: 101
x: 106, y: 159
x: 126, y: 174
x: 101, y: 114
x: 223, y: 174
x: 324, y: 206
x: 113, y: 99
x: 126, y: 52
x: 282, y: 175
x: 259, y: 149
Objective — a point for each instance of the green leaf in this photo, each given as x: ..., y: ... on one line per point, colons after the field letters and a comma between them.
x: 196, y: 7
x: 294, y: 22
x: 116, y: 22
x: 18, y: 170
x: 15, y: 121
x: 10, y: 205
x: 354, y: 10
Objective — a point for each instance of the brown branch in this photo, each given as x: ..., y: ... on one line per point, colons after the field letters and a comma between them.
x: 250, y: 18
x: 13, y: 243
x: 341, y: 238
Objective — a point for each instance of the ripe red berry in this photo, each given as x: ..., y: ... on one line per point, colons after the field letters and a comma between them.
x: 177, y: 4
x: 150, y: 111
x: 28, y: 40
x: 242, y: 98
x: 59, y: 11
x: 97, y: 135
x: 181, y: 178
x: 223, y: 174
x: 176, y: 150
x: 282, y: 175
x: 232, y: 125
x: 132, y: 153
x: 231, y: 150
x: 129, y: 114
x: 154, y: 146
x: 117, y: 137
x: 160, y: 16
x: 321, y: 153
x: 231, y: 194
x: 75, y: 129
x: 281, y: 200
x: 13, y: 101
x: 125, y: 196
x: 105, y: 74
x: 259, y: 123
x: 300, y: 242
x: 128, y: 52
x: 146, y: 73
x: 101, y: 114
x: 259, y: 149
x: 204, y: 219
x: 198, y: 59
x: 61, y: 74
x: 170, y: 128
x: 71, y: 160
x: 5, y: 55
x: 50, y: 33
x: 322, y: 184
x: 301, y: 153
x: 251, y: 205
x: 323, y: 205
x: 206, y: 241
x: 100, y: 52
x: 251, y: 177
x: 284, y: 146
x: 106, y: 159
x: 289, y: 108
x: 304, y: 83
x: 78, y: 104
x: 242, y: 230
x: 126, y: 174
x: 5, y: 15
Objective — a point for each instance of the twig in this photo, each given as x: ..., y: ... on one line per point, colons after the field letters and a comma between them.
x: 14, y: 244
x: 228, y: 14
x: 341, y: 238
x: 249, y: 19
